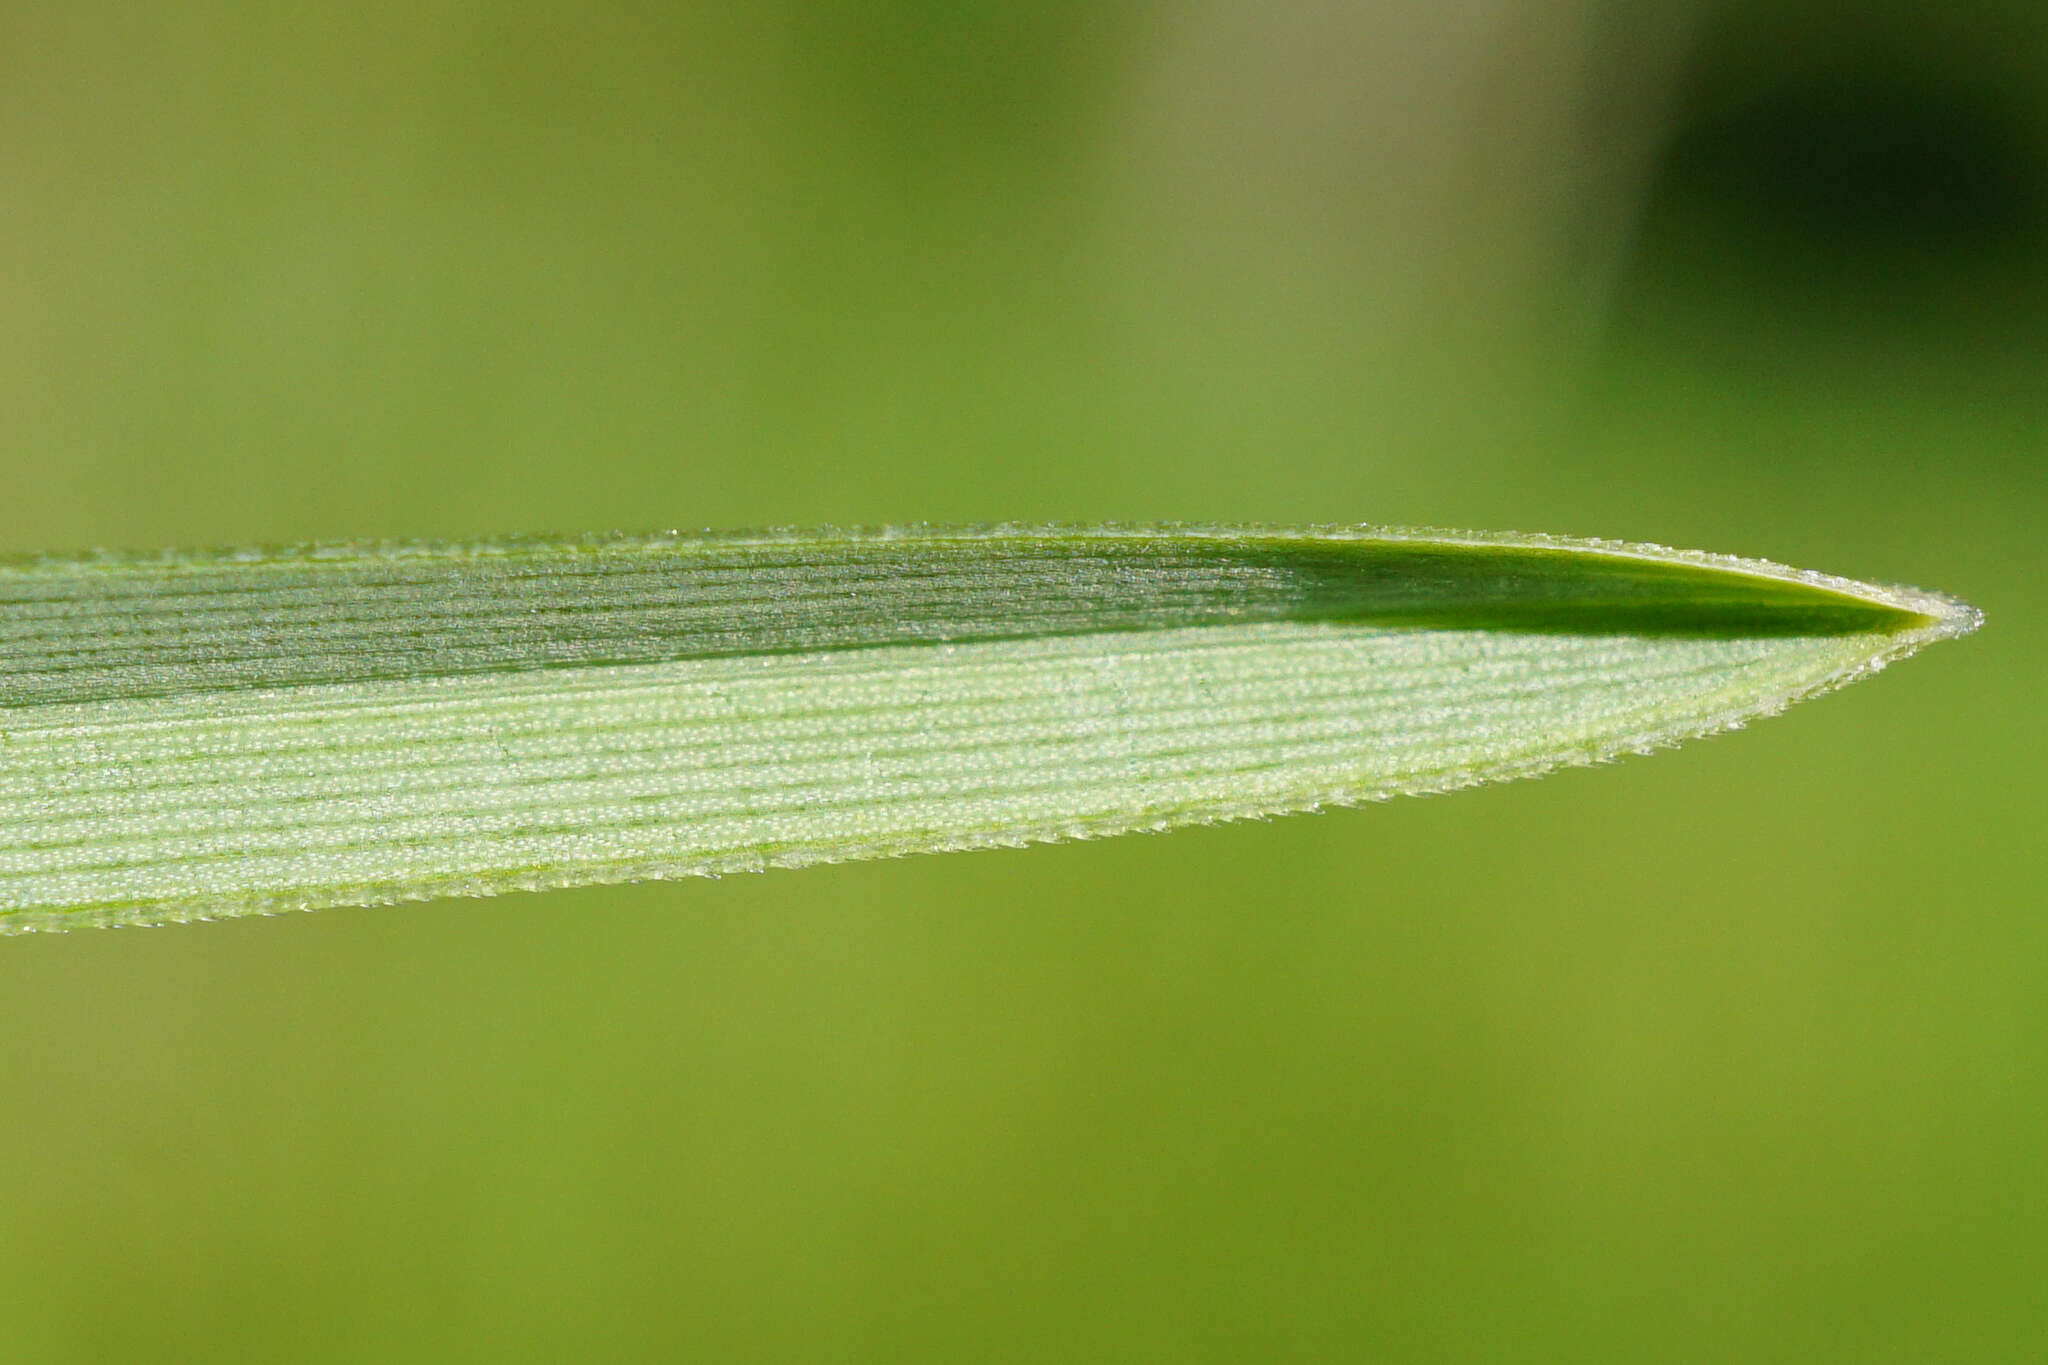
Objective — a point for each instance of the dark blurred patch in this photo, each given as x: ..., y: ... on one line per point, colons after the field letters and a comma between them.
x: 1859, y: 163
x: 1858, y: 177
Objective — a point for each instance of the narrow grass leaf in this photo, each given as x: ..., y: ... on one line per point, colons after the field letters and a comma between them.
x: 194, y: 736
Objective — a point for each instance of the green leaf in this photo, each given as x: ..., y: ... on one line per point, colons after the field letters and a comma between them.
x: 193, y: 736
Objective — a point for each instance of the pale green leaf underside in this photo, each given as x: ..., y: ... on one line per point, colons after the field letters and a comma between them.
x: 188, y: 737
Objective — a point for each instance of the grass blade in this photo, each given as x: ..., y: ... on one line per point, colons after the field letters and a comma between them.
x: 194, y: 736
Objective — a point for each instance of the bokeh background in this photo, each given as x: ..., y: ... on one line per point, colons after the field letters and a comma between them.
x: 1738, y: 1053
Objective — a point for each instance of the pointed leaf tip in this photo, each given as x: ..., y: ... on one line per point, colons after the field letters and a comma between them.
x: 188, y: 736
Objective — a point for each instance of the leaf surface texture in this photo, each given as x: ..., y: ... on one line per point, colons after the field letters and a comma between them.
x: 195, y: 736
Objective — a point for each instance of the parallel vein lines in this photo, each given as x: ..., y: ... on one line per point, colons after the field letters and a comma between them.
x: 184, y: 740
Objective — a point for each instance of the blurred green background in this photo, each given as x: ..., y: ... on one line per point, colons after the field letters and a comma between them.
x: 1739, y: 1053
